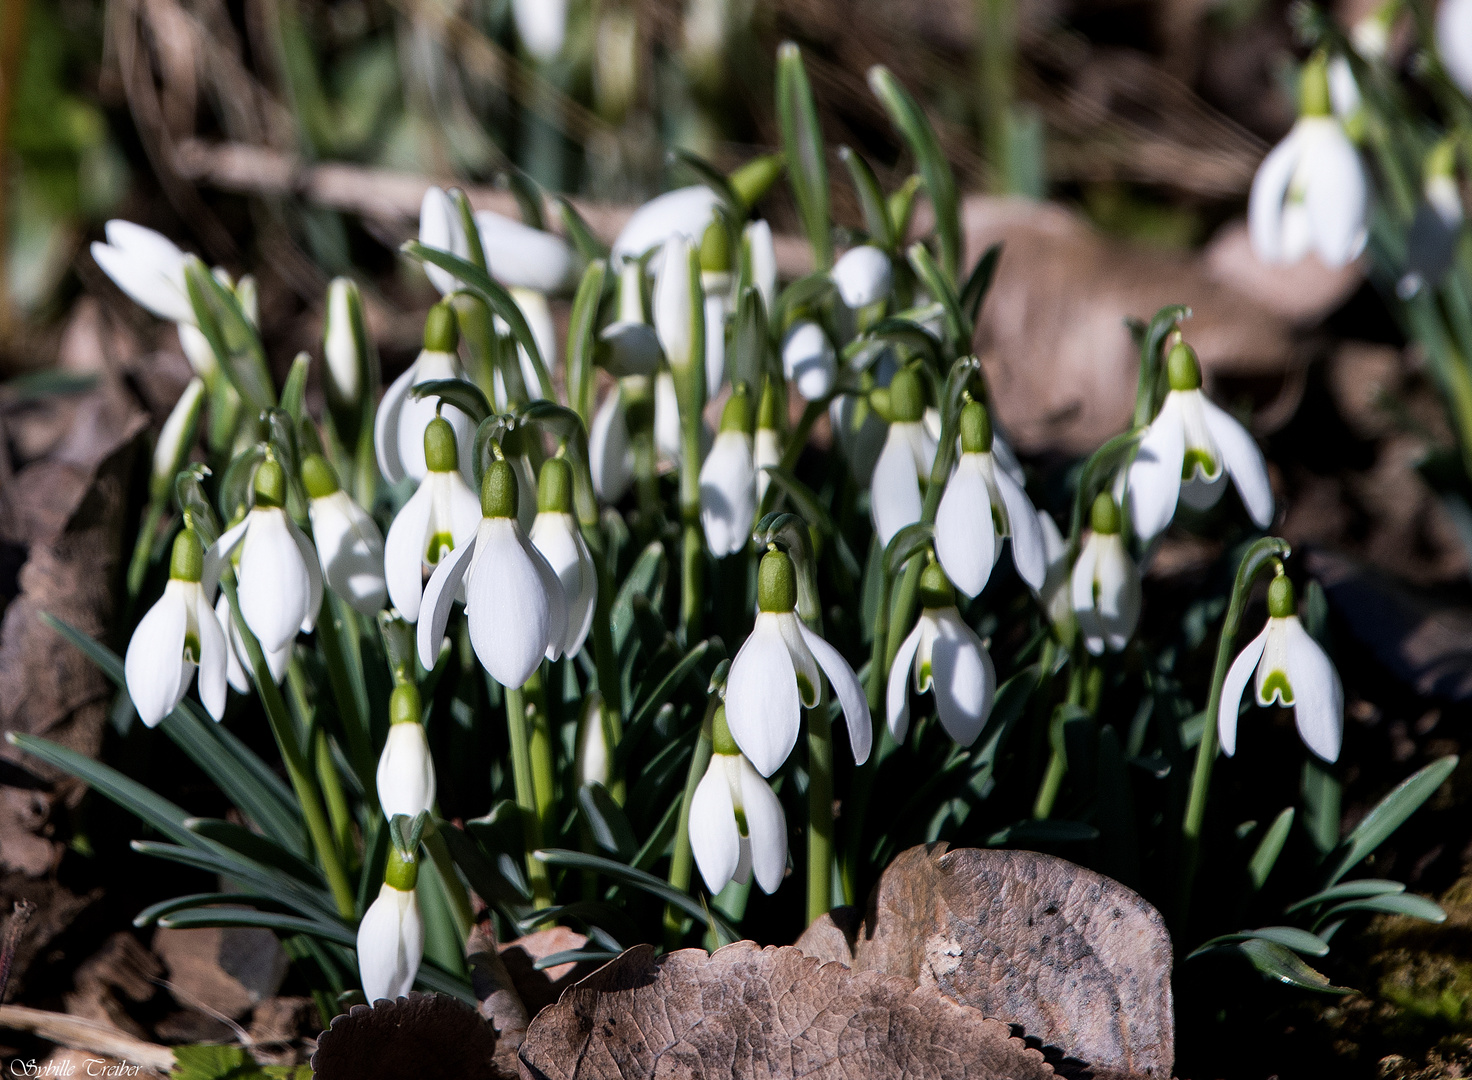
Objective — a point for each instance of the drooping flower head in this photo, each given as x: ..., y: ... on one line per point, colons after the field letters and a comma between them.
x: 1189, y: 450
x: 775, y: 675
x: 1106, y: 582
x: 1310, y: 193
x: 905, y: 462
x: 391, y: 935
x: 736, y: 821
x: 809, y: 360
x: 398, y: 430
x: 440, y: 516
x: 728, y: 480
x: 406, y: 780
x: 862, y: 276
x: 349, y: 543
x: 983, y: 505
x: 513, y: 598
x: 1292, y: 671
x: 178, y: 635
x: 556, y: 535
x: 948, y: 659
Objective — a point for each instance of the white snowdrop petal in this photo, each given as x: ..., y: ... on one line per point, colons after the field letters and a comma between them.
x: 1081, y: 589
x: 809, y: 360
x: 714, y: 839
x: 965, y: 533
x: 894, y: 493
x: 674, y: 302
x: 962, y: 678
x: 414, y: 416
x: 1155, y: 474
x: 218, y: 555
x: 1454, y: 41
x: 555, y: 535
x: 610, y: 457
x: 763, y: 262
x: 1119, y: 591
x: 1265, y: 203
x: 433, y: 613
x: 862, y: 276
x: 555, y: 597
x: 666, y: 417
x: 728, y: 493
x: 804, y: 663
x: 1233, y: 687
x: 848, y: 690
x: 145, y: 285
x: 766, y: 451
x: 1028, y: 553
x: 1244, y: 462
x: 234, y: 669
x: 508, y: 606
x: 440, y: 227
x: 683, y: 212
x: 314, y: 576
x: 1337, y: 192
x: 1318, y: 696
x: 522, y: 257
x: 897, y: 693
x: 405, y: 777
x: 213, y: 657
x: 404, y: 550
x: 390, y: 944
x: 766, y: 827
x: 715, y: 343
x: 762, y: 706
x: 275, y: 587
x: 386, y: 427
x: 153, y: 666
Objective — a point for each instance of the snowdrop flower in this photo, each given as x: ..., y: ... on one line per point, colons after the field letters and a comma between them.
x: 517, y: 255
x: 538, y: 315
x: 148, y: 266
x: 1371, y: 35
x: 679, y: 305
x: 736, y: 821
x: 177, y: 636
x: 513, y: 598
x: 391, y: 935
x: 904, y: 463
x: 610, y: 451
x: 629, y: 345
x: 775, y: 675
x: 862, y: 276
x: 341, y: 346
x: 728, y: 480
x: 237, y: 658
x: 541, y: 25
x: 556, y: 535
x: 593, y: 760
x: 808, y: 360
x: 176, y: 439
x: 948, y: 659
x: 280, y: 581
x: 1454, y: 41
x: 442, y: 515
x: 762, y: 256
x: 767, y: 449
x: 398, y: 429
x: 1187, y: 453
x: 666, y: 416
x: 1310, y: 193
x: 1106, y: 582
x: 406, y: 783
x: 1431, y: 246
x: 349, y: 543
x: 1293, y: 671
x: 683, y: 212
x: 981, y: 506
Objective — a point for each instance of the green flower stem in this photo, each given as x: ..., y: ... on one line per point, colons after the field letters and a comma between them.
x: 544, y: 777
x: 682, y: 860
x: 820, y: 813
x: 605, y: 660
x: 320, y: 755
x: 1042, y: 807
x: 460, y: 909
x: 692, y: 551
x: 143, y: 546
x: 879, y: 647
x: 526, y: 796
x: 337, y: 632
x: 297, y: 769
x: 1261, y: 554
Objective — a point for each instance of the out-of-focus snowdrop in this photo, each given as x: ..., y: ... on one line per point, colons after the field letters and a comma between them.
x: 1055, y: 595
x: 629, y: 345
x: 683, y: 212
x: 809, y: 359
x: 728, y: 480
x: 1454, y: 41
x: 556, y: 535
x: 348, y: 541
x: 983, y: 505
x: 542, y: 26
x: 715, y: 282
x: 398, y: 429
x: 761, y: 254
x: 440, y: 516
x: 405, y: 779
x: 905, y: 462
x: 948, y: 659
x: 1431, y: 246
x: 176, y: 637
x: 148, y: 266
x: 1310, y: 193
x: 862, y: 276
x: 1187, y: 453
x: 1293, y: 671
x: 1106, y: 582
x: 517, y: 255
x: 737, y: 826
x: 1344, y: 92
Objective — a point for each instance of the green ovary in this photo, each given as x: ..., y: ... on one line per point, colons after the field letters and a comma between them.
x: 1277, y: 681
x: 440, y: 545
x: 1196, y: 458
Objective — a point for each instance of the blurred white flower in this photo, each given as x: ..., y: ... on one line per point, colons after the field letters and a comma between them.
x: 683, y: 212
x: 728, y: 481
x: 556, y: 535
x: 148, y: 266
x: 809, y: 360
x: 862, y: 275
x: 541, y: 25
x: 1454, y: 41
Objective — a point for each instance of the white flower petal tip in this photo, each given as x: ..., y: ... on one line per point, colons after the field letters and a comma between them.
x: 763, y: 706
x: 733, y: 793
x: 683, y: 212
x: 809, y: 360
x: 715, y: 839
x: 148, y: 267
x: 514, y: 601
x: 398, y: 429
x: 1454, y: 41
x: 1310, y: 194
x: 406, y: 778
x: 390, y: 944
x: 350, y: 548
x: 280, y: 583
x: 894, y: 492
x: 154, y: 668
x: 862, y: 276
x: 542, y: 26
x: 557, y: 537
x: 522, y: 257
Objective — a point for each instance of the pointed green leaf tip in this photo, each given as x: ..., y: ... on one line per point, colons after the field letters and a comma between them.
x: 441, y: 331
x: 1104, y: 517
x: 776, y: 585
x: 1281, y: 601
x: 976, y: 429
x: 936, y: 590
x: 721, y: 739
x: 736, y: 416
x: 554, y: 487
x: 1182, y: 368
x: 187, y: 560
x: 906, y: 401
x: 441, y: 453
x: 270, y: 484
x: 498, y: 491
x: 318, y: 477
x: 404, y: 705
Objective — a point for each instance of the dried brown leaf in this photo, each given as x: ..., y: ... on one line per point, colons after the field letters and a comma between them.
x: 426, y: 1036
x: 748, y: 1011
x: 1076, y: 959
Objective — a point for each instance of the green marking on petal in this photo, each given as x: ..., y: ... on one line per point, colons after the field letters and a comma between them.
x: 998, y: 525
x: 191, y: 648
x: 741, y: 826
x: 440, y: 545
x: 1277, y: 682
x: 923, y: 677
x: 806, y: 690
x: 1197, y: 459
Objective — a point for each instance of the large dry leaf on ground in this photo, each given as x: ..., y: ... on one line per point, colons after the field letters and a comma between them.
x: 1076, y: 959
x: 1052, y: 336
x: 426, y: 1036
x: 745, y: 1011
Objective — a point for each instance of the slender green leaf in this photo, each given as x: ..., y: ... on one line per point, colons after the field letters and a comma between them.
x: 294, y: 390
x: 802, y: 144
x: 1417, y: 907
x: 908, y: 333
x: 871, y: 199
x: 465, y: 396
x: 1266, y: 856
x: 582, y: 339
x: 606, y: 821
x: 192, y: 918
x: 579, y: 232
x: 712, y: 178
x: 958, y: 328
x: 1278, y: 962
x: 151, y: 914
x: 648, y: 883
x: 973, y: 294
x: 272, y: 883
x: 1389, y: 814
x: 1291, y: 937
x: 256, y: 848
x: 574, y: 956
x: 1046, y: 831
x: 1348, y: 890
